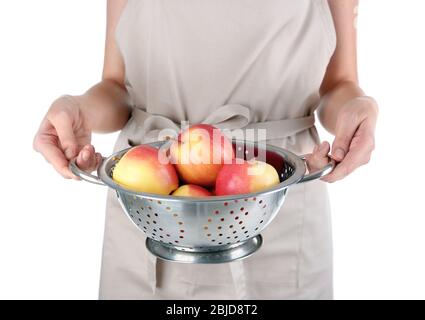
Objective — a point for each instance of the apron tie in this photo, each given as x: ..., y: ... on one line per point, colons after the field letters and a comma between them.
x: 228, y: 118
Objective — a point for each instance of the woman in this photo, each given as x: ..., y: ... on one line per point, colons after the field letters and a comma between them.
x: 186, y: 59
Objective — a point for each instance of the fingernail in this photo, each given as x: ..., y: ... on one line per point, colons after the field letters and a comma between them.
x: 322, y: 146
x: 85, y: 155
x: 339, y: 153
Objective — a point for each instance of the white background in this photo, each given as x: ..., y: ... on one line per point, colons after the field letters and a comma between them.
x: 51, y: 230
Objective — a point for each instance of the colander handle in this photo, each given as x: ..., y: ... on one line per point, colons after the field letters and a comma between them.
x: 319, y: 173
x: 83, y: 175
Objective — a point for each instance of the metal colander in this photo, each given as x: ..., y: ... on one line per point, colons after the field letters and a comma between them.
x: 211, y: 229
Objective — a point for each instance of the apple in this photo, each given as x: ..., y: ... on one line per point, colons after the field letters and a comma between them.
x: 141, y: 170
x: 199, y: 153
x: 191, y: 190
x: 242, y: 177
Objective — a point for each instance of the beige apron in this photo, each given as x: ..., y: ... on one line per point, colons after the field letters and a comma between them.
x: 233, y: 64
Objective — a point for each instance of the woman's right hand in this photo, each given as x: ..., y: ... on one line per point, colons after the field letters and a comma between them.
x: 65, y: 134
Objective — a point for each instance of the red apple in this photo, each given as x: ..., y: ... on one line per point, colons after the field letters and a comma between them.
x: 199, y: 153
x: 191, y: 190
x: 246, y: 177
x: 141, y: 170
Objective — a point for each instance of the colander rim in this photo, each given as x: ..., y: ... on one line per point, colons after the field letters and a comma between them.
x: 297, y: 175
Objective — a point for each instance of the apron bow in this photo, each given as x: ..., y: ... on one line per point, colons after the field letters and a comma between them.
x: 228, y: 118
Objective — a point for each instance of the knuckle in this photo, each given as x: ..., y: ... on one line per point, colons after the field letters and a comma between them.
x: 373, y: 105
x: 370, y: 145
x: 59, y: 116
x: 368, y: 104
x: 62, y: 115
x: 366, y: 159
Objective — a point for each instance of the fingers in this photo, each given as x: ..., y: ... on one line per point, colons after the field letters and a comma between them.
x: 62, y: 123
x: 319, y: 158
x: 48, y: 144
x: 88, y: 159
x: 53, y: 155
x: 354, y: 137
x: 359, y: 154
x: 352, y: 161
x: 345, y: 129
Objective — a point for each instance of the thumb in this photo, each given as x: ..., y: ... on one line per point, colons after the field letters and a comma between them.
x: 344, y: 133
x: 65, y: 131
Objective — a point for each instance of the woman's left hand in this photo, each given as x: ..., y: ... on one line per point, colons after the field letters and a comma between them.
x: 354, y: 139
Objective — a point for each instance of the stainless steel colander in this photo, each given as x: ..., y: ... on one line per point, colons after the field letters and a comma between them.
x: 211, y: 229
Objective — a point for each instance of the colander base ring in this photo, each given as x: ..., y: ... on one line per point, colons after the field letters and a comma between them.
x: 167, y: 253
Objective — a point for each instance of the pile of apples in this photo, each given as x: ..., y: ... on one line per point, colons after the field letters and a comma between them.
x: 202, y: 164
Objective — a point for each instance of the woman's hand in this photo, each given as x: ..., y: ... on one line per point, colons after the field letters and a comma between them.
x: 65, y: 134
x: 354, y: 139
